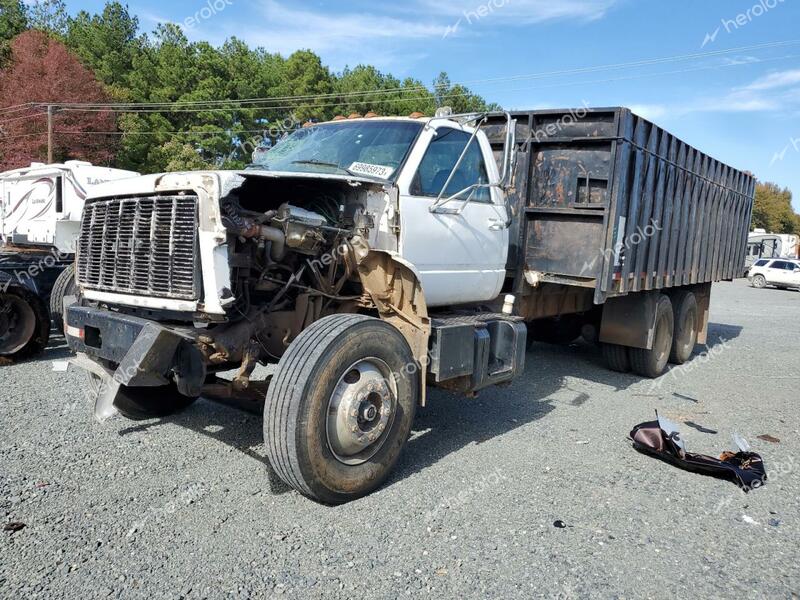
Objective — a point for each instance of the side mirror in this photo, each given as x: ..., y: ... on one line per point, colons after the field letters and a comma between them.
x: 509, y: 153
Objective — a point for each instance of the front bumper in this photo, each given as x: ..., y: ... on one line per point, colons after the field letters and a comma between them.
x: 142, y: 353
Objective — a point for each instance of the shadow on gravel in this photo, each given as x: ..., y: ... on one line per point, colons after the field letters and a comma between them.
x: 57, y: 349
x: 719, y: 333
x: 449, y: 422
x: 233, y: 427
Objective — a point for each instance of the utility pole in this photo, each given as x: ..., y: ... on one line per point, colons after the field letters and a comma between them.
x: 50, y: 111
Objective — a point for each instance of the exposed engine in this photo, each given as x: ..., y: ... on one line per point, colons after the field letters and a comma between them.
x: 290, y: 266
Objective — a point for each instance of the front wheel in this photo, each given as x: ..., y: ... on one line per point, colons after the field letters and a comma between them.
x: 64, y: 286
x: 340, y: 407
x: 759, y: 281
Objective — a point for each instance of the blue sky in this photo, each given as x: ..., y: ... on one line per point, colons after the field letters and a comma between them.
x: 742, y: 107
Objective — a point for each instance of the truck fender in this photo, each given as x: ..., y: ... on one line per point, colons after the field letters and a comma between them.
x: 9, y: 280
x: 395, y: 287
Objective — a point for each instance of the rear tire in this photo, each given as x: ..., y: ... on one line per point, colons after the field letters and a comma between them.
x: 64, y: 286
x: 759, y: 282
x: 340, y: 407
x: 684, y: 306
x: 651, y: 363
x: 617, y: 358
x: 24, y: 324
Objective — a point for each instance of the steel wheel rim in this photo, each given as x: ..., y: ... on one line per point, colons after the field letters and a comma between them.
x: 17, y: 323
x: 361, y: 411
x: 662, y: 339
x: 692, y: 318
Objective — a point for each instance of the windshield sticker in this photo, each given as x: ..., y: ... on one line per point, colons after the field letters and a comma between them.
x: 360, y: 168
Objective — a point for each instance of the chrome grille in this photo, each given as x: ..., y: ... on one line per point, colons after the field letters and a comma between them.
x: 142, y: 246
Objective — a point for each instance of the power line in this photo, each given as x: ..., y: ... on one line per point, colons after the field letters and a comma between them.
x: 217, y: 132
x: 17, y: 107
x: 24, y: 117
x: 457, y: 95
x: 234, y: 132
x: 233, y: 104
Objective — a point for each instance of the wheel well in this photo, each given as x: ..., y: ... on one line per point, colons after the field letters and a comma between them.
x: 396, y: 292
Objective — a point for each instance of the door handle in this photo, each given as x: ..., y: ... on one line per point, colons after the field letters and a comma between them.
x: 496, y: 225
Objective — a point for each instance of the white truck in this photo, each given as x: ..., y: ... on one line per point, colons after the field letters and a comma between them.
x: 40, y: 215
x: 370, y: 258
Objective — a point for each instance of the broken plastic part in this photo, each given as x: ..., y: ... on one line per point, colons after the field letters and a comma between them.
x: 740, y: 442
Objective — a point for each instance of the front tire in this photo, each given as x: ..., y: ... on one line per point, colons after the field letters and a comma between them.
x: 64, y: 286
x: 340, y: 407
x: 651, y: 363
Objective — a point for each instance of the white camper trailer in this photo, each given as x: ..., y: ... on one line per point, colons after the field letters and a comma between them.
x: 42, y: 204
x: 40, y: 213
x: 761, y: 244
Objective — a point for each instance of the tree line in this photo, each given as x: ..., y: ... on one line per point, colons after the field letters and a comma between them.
x: 48, y: 55
x: 773, y: 210
x: 198, y: 117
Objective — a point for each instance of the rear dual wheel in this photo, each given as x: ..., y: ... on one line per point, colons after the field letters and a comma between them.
x: 24, y: 324
x: 674, y: 337
x: 616, y: 358
x: 686, y: 317
x: 340, y: 407
x: 651, y: 363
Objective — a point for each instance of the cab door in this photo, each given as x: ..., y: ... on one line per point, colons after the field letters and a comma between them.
x: 459, y: 248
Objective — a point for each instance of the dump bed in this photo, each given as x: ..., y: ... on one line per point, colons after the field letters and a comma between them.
x: 606, y: 199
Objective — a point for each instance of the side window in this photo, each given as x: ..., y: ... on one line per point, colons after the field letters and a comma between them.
x: 779, y: 264
x: 440, y: 158
x: 761, y: 263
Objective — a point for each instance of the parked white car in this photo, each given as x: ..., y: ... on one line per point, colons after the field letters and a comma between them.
x: 778, y: 272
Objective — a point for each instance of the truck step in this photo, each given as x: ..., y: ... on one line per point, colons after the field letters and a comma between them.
x: 470, y: 351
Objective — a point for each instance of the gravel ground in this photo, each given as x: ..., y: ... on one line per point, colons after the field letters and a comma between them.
x: 183, y: 508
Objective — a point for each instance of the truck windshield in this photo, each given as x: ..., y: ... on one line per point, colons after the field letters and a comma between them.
x: 364, y: 148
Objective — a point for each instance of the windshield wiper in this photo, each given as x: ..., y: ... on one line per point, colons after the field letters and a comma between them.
x: 322, y: 163
x: 319, y: 163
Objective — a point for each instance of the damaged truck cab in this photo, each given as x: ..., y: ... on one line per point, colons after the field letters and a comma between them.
x: 326, y: 259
